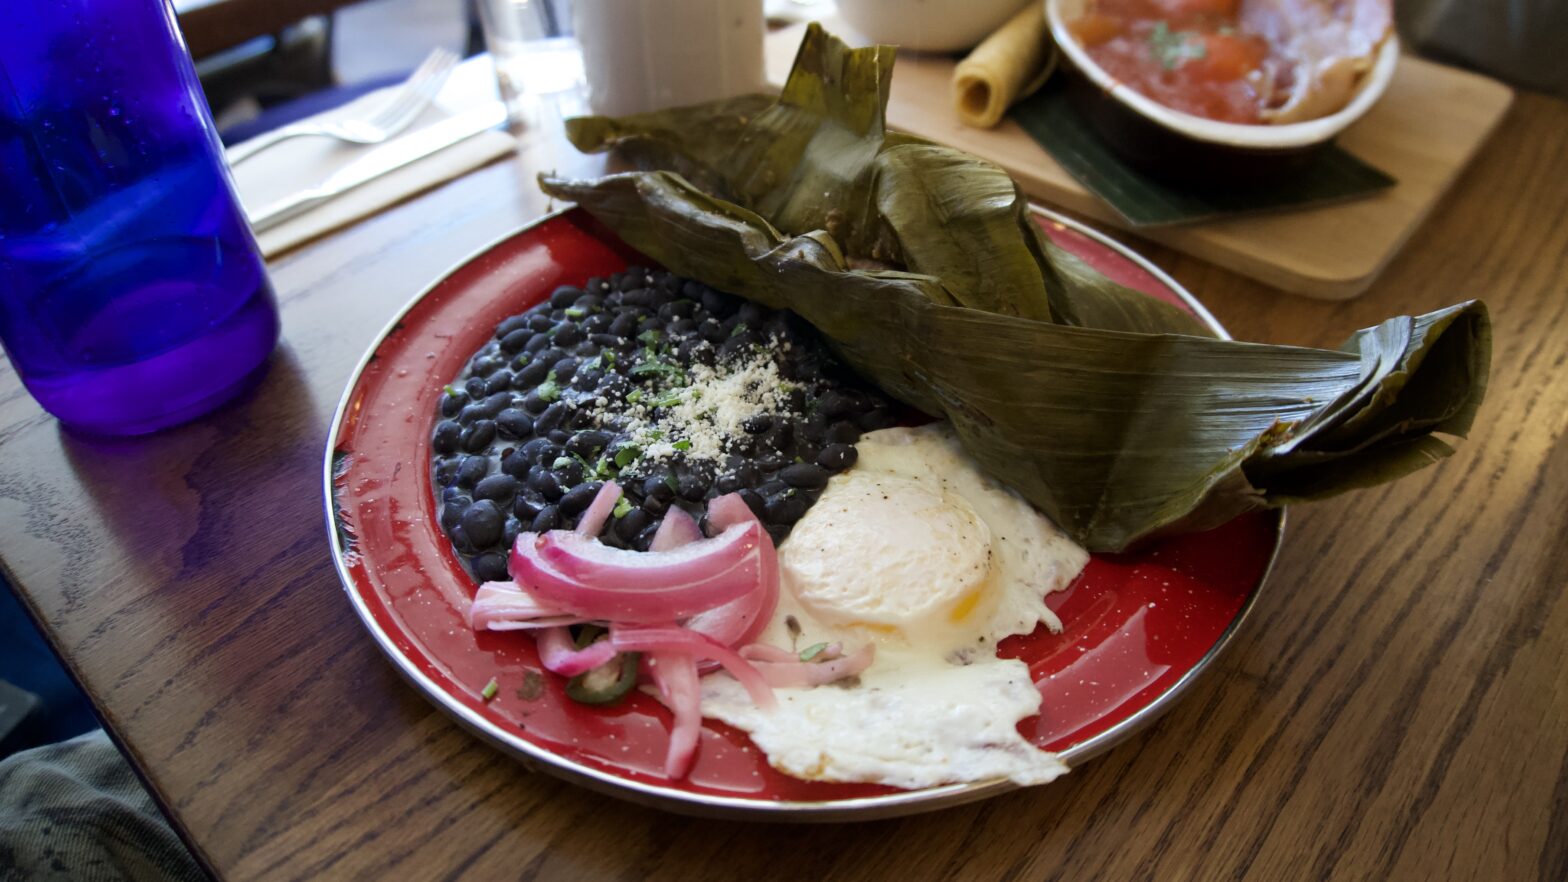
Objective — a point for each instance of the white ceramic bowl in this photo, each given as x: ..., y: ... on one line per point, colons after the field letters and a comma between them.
x: 928, y: 25
x: 1289, y: 138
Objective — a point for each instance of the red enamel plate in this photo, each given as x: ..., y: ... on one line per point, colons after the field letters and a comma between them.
x: 1138, y: 627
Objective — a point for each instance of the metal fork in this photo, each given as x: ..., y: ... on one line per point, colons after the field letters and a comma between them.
x: 392, y: 116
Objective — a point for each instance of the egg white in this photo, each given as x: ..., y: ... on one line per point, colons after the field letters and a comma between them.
x: 916, y: 550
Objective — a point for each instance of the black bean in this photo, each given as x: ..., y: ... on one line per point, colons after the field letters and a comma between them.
x: 576, y: 500
x: 499, y: 381
x: 491, y: 567
x: 786, y: 508
x: 485, y: 366
x: 565, y: 369
x: 713, y: 301
x: 804, y: 474
x: 753, y: 500
x: 691, y: 487
x: 516, y: 465
x: 483, y: 522
x: 472, y: 470
x: 559, y: 437
x: 565, y: 296
x: 568, y: 471
x: 727, y: 483
x: 543, y: 481
x: 680, y: 328
x: 548, y: 518
x: 632, y: 523
x: 624, y: 325
x: 446, y: 471
x: 514, y: 423
x: 493, y: 404
x: 777, y: 532
x: 452, y: 402
x: 658, y: 487
x: 452, y: 512
x: 837, y: 457
x: 460, y: 538
x: 475, y: 387
x: 677, y: 309
x: 539, y: 450
x: 535, y: 402
x: 531, y: 375
x: 773, y: 488
x: 752, y: 314
x: 498, y: 487
x: 551, y: 418
x: 610, y: 341
x: 510, y: 532
x: 511, y: 324
x: 711, y: 331
x: 540, y: 321
x: 514, y: 341
x: 478, y: 436
x: 539, y: 341
x: 447, y: 437
x: 732, y: 347
x: 834, y: 404
x: 568, y: 333
x: 877, y: 418
x: 654, y: 505
x: 548, y: 357
x: 843, y: 432
x: 589, y: 441
x: 527, y: 506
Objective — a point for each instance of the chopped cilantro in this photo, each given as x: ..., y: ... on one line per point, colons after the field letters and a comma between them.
x: 622, y: 508
x: 669, y: 481
x: 668, y: 399
x: 740, y: 328
x: 575, y: 312
x: 1174, y: 48
x: 682, y: 444
x: 634, y: 396
x: 626, y: 455
x: 449, y: 390
x: 562, y: 462
x: 812, y: 651
x: 491, y: 688
x: 650, y: 336
x: 549, y: 390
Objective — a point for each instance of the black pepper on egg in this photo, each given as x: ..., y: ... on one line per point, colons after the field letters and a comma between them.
x: 567, y: 395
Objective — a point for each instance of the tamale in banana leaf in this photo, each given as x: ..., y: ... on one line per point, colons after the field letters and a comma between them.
x: 1115, y: 414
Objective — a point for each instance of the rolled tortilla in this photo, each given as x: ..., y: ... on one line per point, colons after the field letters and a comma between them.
x: 1009, y: 65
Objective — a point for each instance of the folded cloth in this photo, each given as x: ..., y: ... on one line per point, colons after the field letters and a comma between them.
x: 288, y: 167
x: 76, y: 812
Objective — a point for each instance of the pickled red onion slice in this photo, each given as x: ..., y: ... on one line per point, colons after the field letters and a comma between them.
x: 741, y: 620
x: 670, y: 639
x: 677, y: 529
x: 503, y: 606
x: 582, y: 576
x: 558, y: 654
x: 674, y: 674
x: 599, y: 510
x: 802, y: 675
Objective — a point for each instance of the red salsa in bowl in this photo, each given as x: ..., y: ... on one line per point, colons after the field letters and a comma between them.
x: 1186, y: 54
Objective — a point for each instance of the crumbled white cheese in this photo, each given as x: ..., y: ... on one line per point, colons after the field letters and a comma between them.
x: 698, y: 421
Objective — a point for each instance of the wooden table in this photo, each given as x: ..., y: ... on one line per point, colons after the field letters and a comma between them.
x: 1396, y: 708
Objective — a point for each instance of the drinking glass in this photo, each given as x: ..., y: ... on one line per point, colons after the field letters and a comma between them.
x: 132, y: 295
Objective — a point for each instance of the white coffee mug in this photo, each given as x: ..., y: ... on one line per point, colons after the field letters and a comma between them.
x: 642, y: 55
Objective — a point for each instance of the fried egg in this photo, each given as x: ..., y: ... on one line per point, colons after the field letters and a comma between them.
x: 918, y: 551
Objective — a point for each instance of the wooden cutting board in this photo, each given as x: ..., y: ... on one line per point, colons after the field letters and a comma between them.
x: 1428, y: 125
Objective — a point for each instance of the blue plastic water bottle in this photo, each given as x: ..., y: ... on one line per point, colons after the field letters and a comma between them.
x: 132, y: 296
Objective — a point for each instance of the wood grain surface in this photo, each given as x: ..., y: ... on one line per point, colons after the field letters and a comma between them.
x: 1426, y: 128
x: 1396, y: 708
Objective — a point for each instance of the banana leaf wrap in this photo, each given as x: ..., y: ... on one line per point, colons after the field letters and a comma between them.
x: 1115, y: 414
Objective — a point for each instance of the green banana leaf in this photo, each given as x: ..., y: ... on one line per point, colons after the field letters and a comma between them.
x: 1114, y: 413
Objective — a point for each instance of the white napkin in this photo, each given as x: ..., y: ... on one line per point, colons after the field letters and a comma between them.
x: 294, y: 165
